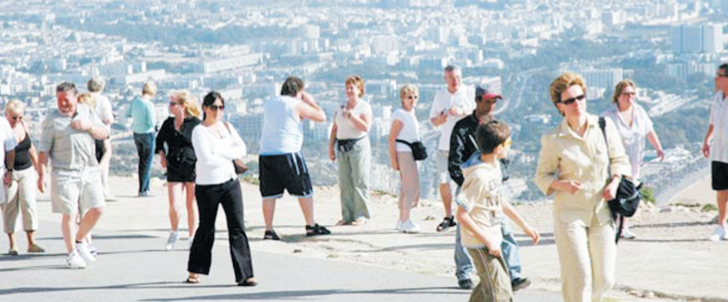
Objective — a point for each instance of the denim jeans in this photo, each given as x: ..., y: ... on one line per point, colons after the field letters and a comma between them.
x: 144, y: 143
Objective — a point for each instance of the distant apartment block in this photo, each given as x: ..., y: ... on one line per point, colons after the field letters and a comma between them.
x: 602, y: 78
x: 216, y: 65
x: 696, y: 38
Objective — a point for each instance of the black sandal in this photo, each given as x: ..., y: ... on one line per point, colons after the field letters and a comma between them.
x: 316, y: 229
x: 446, y: 223
x: 248, y: 282
x: 271, y: 235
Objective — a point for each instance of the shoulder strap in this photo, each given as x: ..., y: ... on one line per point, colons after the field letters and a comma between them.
x: 404, y: 142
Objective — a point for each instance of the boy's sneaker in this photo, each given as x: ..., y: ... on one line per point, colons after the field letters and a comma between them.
x: 719, y: 234
x: 83, y: 251
x: 171, y: 241
x: 75, y: 261
x: 446, y: 223
x: 627, y: 234
x: 520, y: 283
x: 409, y: 227
x: 465, y: 283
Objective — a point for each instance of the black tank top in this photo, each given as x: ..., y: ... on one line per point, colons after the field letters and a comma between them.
x: 22, y: 154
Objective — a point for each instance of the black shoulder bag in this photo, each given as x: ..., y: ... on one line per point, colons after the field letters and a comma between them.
x: 419, y: 152
x: 628, y: 196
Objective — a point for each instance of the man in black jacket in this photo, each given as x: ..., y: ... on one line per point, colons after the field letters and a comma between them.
x: 462, y: 147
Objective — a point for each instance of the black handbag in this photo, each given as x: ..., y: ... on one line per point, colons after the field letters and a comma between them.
x: 419, y: 152
x: 628, y: 195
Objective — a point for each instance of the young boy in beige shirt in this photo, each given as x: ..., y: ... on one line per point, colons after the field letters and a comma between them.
x: 481, y: 208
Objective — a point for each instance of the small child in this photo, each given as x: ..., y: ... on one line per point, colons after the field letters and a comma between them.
x: 480, y: 211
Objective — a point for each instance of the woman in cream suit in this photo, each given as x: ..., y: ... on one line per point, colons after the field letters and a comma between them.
x: 574, y: 164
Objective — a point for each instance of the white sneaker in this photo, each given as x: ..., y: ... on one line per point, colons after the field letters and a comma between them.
x: 171, y: 241
x: 399, y: 226
x: 627, y: 234
x: 92, y: 250
x: 75, y: 261
x: 84, y: 252
x: 719, y: 234
x: 409, y: 227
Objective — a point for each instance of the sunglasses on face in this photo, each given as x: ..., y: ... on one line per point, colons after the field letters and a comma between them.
x: 572, y: 100
x: 628, y: 93
x: 173, y: 103
x: 412, y: 97
x: 720, y: 75
x: 15, y: 118
x: 216, y: 107
x: 507, y: 143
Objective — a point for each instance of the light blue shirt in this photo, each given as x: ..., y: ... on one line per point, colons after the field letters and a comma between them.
x: 282, y: 133
x: 142, y: 111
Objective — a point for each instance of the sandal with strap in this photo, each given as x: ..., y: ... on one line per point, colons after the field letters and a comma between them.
x: 248, y: 282
x: 446, y: 223
x: 193, y: 279
x: 271, y: 235
x: 316, y: 229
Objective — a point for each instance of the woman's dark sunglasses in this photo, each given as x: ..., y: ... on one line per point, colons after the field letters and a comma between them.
x: 574, y: 99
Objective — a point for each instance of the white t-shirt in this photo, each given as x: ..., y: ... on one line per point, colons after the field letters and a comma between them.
x: 345, y: 127
x: 215, y: 154
x: 719, y: 120
x: 410, y: 128
x: 633, y: 137
x: 444, y: 100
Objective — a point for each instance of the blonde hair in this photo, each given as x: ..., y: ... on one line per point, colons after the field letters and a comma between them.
x: 620, y: 88
x: 88, y: 99
x: 407, y: 90
x: 357, y: 81
x: 188, y: 101
x: 149, y: 88
x: 15, y: 106
x: 562, y: 83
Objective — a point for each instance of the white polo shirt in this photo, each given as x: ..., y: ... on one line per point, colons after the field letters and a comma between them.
x: 719, y: 120
x: 444, y: 100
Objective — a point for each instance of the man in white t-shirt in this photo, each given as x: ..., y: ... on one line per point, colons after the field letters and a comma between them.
x: 715, y: 147
x: 451, y: 104
x: 103, y: 147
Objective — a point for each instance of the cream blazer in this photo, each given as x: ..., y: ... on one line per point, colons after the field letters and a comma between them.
x: 567, y: 156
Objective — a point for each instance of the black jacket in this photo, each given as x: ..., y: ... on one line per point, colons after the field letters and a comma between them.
x: 463, y: 145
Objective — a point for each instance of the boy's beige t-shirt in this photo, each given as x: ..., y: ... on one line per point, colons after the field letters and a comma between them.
x: 482, y: 197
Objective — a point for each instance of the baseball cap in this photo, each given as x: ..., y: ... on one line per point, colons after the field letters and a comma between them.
x: 486, y: 94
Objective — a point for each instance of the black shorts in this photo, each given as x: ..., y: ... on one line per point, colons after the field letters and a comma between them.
x: 180, y: 174
x: 719, y: 173
x: 287, y: 171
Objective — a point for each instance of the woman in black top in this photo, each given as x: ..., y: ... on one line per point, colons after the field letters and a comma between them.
x: 179, y: 159
x: 21, y: 193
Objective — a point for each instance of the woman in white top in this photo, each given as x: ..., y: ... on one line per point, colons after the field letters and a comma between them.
x: 216, y: 145
x: 406, y: 128
x: 634, y: 125
x: 349, y: 133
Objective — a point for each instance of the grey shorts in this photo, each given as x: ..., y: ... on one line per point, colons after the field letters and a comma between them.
x: 69, y: 189
x: 443, y: 174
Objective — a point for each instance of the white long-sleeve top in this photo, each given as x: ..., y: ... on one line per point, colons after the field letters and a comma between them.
x: 215, y: 154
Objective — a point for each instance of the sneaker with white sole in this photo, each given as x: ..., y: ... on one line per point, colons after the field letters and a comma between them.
x: 84, y: 252
x: 719, y: 234
x: 409, y: 227
x: 399, y: 226
x: 171, y: 241
x: 92, y: 250
x: 628, y: 234
x: 75, y: 261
